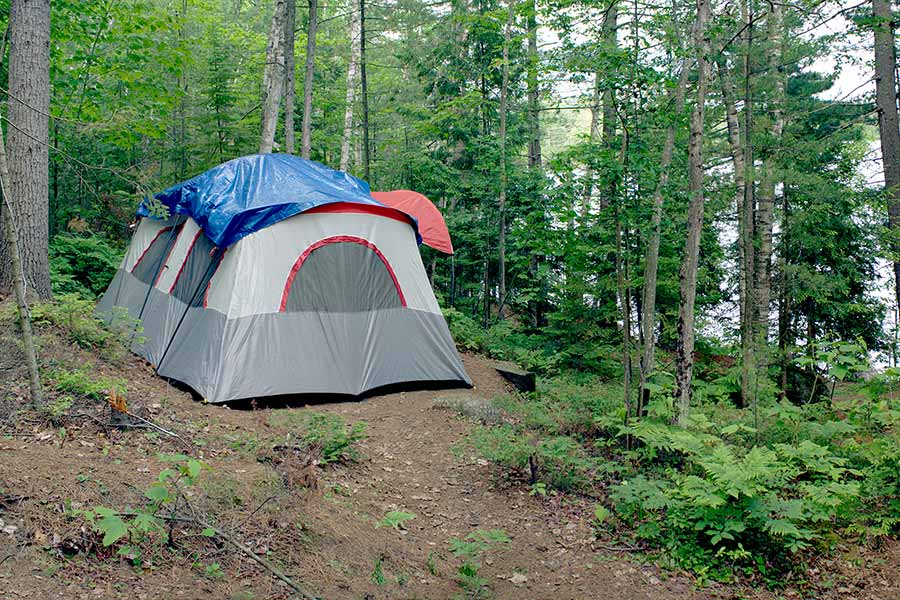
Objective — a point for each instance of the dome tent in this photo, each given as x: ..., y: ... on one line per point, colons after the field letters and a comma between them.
x: 271, y: 275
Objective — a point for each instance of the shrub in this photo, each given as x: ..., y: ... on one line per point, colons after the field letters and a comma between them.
x: 83, y: 264
x: 75, y: 315
x: 559, y: 461
x: 328, y: 433
x: 726, y: 504
x: 79, y: 382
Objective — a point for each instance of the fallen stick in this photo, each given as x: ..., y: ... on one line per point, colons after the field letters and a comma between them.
x: 250, y: 553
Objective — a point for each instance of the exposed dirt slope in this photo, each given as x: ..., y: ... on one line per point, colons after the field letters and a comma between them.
x: 321, y: 525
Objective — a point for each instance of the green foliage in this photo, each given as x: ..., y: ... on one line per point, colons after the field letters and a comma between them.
x: 85, y: 384
x: 396, y: 519
x: 83, y: 265
x: 469, y: 550
x: 74, y: 314
x: 327, y: 433
x: 377, y: 575
x: 147, y: 524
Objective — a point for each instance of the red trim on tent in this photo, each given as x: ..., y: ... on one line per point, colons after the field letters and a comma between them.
x: 209, y: 283
x: 368, y: 209
x: 150, y: 245
x: 186, y: 257
x: 335, y: 240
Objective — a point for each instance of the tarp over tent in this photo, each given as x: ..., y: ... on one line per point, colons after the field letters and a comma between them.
x: 272, y: 275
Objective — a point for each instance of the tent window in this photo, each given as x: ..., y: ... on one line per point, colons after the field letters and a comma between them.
x: 194, y: 271
x: 341, y: 274
x: 151, y: 262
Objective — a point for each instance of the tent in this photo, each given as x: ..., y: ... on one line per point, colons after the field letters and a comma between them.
x: 271, y: 274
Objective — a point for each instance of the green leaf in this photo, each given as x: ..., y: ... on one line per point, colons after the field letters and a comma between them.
x: 209, y: 532
x: 157, y: 493
x: 110, y: 525
x: 193, y: 468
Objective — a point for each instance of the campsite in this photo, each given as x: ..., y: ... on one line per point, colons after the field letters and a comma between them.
x: 506, y: 299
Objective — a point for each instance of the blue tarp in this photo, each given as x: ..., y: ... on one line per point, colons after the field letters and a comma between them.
x: 249, y: 193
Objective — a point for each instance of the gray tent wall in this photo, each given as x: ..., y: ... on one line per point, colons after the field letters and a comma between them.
x: 239, y: 324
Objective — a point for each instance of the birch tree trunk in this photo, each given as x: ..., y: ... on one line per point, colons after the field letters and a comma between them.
x: 593, y: 136
x: 352, y: 76
x: 762, y: 279
x: 747, y: 223
x: 533, y: 91
x: 290, y: 20
x: 651, y: 263
x: 364, y: 88
x: 743, y: 201
x: 611, y: 43
x: 29, y: 184
x: 688, y: 276
x: 306, y: 135
x: 504, y: 93
x: 273, y: 79
x: 888, y: 123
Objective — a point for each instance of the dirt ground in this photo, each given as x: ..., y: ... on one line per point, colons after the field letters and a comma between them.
x: 320, y: 525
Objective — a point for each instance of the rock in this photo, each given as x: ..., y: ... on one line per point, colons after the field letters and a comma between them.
x: 522, y: 379
x: 518, y: 579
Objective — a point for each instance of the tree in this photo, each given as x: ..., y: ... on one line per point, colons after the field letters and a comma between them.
x: 651, y: 262
x: 888, y: 123
x: 306, y: 135
x: 29, y: 107
x: 352, y: 82
x: 504, y: 176
x: 364, y: 88
x: 289, y: 87
x: 273, y: 78
x: 688, y: 276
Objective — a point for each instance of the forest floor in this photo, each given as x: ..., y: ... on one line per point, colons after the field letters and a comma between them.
x: 322, y: 525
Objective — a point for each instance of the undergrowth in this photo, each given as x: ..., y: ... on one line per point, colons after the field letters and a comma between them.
x: 725, y: 496
x: 327, y: 434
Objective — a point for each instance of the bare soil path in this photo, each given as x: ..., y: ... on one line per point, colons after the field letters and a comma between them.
x: 322, y: 528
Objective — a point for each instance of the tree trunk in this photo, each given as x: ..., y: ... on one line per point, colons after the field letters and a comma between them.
x: 352, y: 75
x: 784, y: 296
x: 762, y: 279
x: 611, y: 44
x: 593, y: 136
x: 504, y: 92
x: 306, y: 139
x: 688, y: 276
x: 888, y: 122
x: 273, y: 79
x: 29, y: 186
x: 534, y: 141
x: 182, y: 102
x: 290, y: 20
x: 11, y: 247
x: 746, y: 224
x: 364, y: 89
x: 740, y: 183
x: 651, y: 263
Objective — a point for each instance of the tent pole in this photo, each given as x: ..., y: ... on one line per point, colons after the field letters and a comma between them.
x: 203, y: 283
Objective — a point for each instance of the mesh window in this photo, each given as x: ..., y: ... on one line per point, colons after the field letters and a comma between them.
x: 196, y: 270
x: 342, y: 277
x: 150, y: 263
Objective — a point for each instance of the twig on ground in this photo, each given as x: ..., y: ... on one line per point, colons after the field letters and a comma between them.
x: 250, y: 553
x: 258, y: 508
